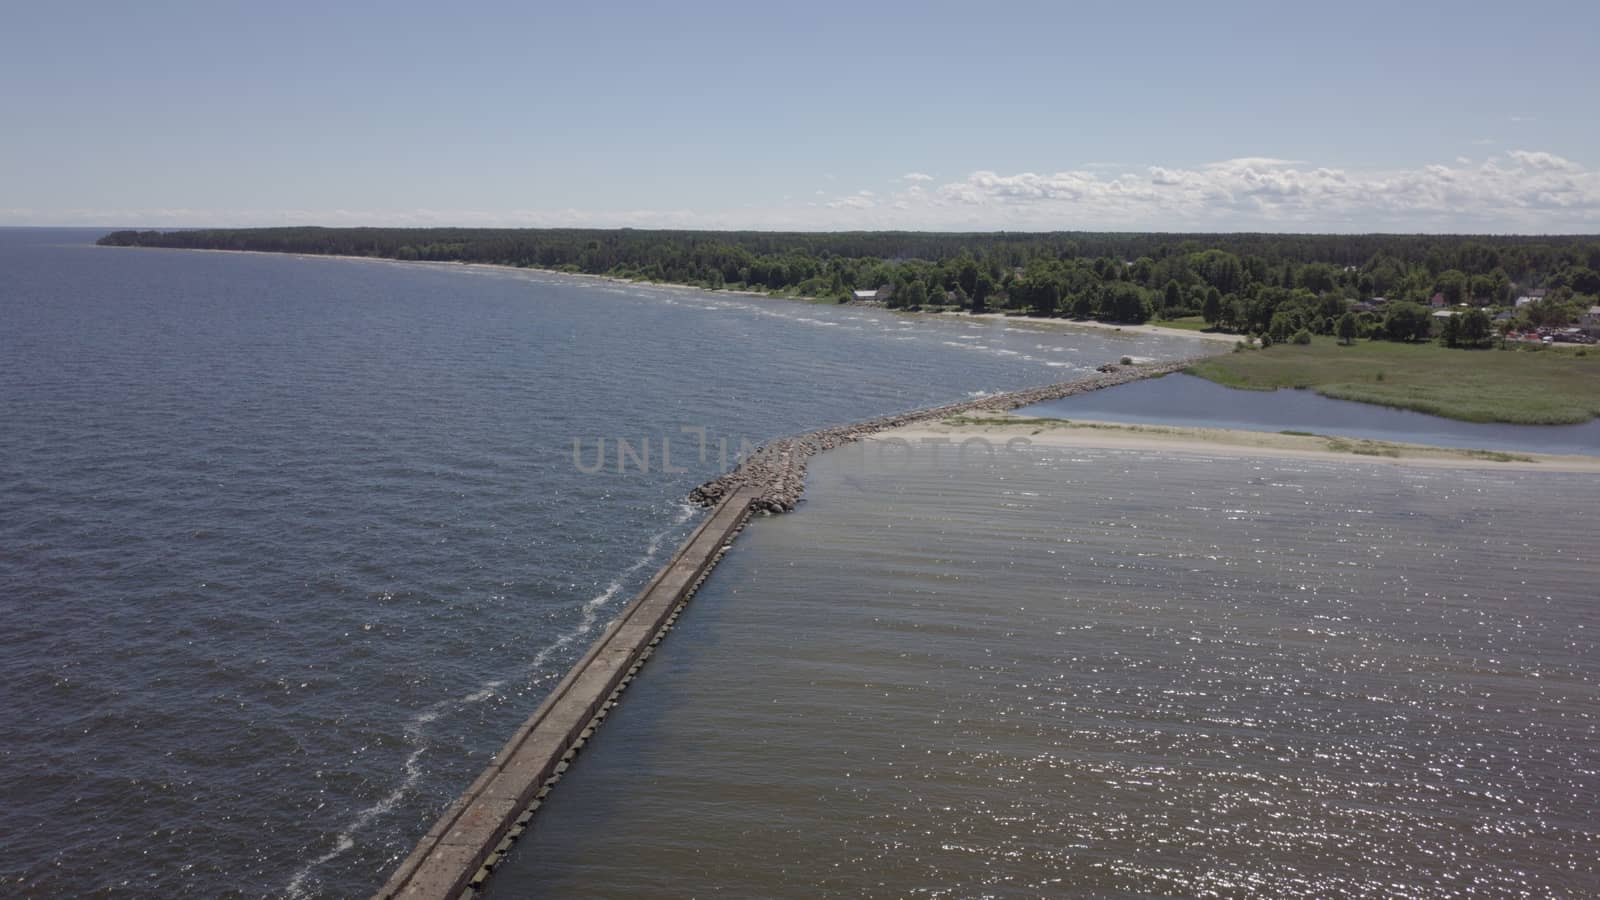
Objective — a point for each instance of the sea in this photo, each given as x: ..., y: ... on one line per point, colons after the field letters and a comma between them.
x: 1050, y: 672
x: 290, y: 545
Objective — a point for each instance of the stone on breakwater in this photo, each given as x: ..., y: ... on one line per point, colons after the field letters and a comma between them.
x: 778, y: 469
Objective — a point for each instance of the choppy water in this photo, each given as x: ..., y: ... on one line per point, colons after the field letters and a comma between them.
x: 1113, y: 673
x: 1182, y: 399
x: 288, y: 546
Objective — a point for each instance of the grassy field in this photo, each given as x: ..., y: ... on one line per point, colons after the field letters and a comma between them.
x: 1549, y: 387
x: 1188, y: 323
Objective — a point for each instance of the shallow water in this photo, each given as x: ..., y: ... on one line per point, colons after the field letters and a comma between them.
x: 289, y: 546
x: 1112, y: 673
x: 1187, y: 400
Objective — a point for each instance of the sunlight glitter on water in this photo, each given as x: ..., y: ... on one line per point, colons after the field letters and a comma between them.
x: 1300, y: 679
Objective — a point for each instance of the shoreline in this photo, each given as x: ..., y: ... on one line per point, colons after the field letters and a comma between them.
x: 1090, y: 324
x: 777, y: 469
x: 1089, y: 434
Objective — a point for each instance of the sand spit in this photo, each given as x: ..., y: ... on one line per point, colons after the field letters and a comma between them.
x: 778, y: 469
x: 1227, y: 442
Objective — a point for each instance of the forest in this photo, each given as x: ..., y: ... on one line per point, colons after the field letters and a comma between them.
x: 1255, y: 283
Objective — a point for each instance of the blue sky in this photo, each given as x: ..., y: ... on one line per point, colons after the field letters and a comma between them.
x: 1348, y: 117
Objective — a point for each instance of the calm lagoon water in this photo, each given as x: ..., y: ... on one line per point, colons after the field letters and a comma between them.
x: 288, y: 546
x: 1187, y: 400
x: 1112, y: 673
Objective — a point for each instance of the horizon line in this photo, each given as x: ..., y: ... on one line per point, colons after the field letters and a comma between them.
x: 109, y: 229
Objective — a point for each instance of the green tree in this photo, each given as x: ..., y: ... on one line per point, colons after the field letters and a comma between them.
x: 1233, y: 314
x: 1211, y: 311
x: 1583, y: 280
x: 982, y: 287
x: 1046, y: 298
x: 967, y: 275
x: 1407, y: 322
x: 1450, y: 332
x: 1475, y: 327
x: 1171, y: 297
x: 1126, y: 302
x: 1318, y: 277
x: 1452, y: 283
x: 1347, y: 328
x: 1283, y: 325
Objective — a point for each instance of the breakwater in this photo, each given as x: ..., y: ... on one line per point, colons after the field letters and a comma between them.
x: 461, y: 850
x: 468, y: 840
x: 777, y: 470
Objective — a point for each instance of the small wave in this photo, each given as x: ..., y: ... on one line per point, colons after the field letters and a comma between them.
x: 414, y: 728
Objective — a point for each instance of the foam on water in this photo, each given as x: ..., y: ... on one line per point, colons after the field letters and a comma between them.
x: 411, y: 771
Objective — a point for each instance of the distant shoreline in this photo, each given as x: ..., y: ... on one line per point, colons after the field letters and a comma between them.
x: 1128, y: 329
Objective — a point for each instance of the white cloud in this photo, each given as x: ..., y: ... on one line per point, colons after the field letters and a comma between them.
x: 1519, y: 191
x: 1539, y: 160
x: 916, y: 176
x: 1257, y: 162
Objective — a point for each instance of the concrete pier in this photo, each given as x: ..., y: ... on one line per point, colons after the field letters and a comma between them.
x: 461, y: 849
x: 469, y: 838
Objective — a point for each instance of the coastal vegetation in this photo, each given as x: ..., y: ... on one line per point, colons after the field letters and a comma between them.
x: 1521, y: 386
x: 1349, y: 316
x: 1264, y: 284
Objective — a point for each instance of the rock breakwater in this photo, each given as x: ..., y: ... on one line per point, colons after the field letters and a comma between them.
x: 778, y: 469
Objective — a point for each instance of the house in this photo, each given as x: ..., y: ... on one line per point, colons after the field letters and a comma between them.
x: 862, y: 296
x: 1437, y: 301
x: 1591, y: 320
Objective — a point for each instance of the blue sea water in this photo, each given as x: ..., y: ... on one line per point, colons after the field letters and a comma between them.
x: 288, y: 545
x: 1182, y: 399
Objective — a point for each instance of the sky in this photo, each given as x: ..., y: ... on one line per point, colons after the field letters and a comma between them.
x: 1283, y: 116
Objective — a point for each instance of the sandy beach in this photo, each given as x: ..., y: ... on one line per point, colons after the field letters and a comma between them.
x: 993, y: 316
x: 1229, y: 339
x: 1001, y: 427
x: 1039, y: 321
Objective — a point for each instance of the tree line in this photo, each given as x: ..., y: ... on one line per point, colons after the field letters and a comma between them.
x: 1273, y: 284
